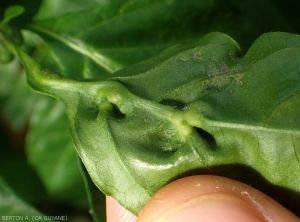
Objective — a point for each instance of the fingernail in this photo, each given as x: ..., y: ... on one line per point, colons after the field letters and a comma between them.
x: 213, y: 208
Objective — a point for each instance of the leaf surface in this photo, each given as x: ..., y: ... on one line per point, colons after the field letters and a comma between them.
x: 193, y: 107
x: 95, y: 197
x: 115, y: 34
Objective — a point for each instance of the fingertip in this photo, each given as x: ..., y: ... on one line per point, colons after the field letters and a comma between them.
x: 212, y: 198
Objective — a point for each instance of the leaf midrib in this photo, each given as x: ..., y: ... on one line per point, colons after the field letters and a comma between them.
x: 233, y: 125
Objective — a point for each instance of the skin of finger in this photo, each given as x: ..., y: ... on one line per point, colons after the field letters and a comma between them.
x: 116, y: 213
x: 189, y: 188
x: 212, y: 208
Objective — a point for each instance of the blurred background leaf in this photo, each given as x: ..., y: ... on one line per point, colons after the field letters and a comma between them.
x: 11, y: 205
x: 51, y: 152
x: 52, y: 175
x: 31, y: 7
x: 11, y: 13
x: 96, y: 198
x: 15, y: 170
x: 20, y: 187
x: 16, y: 98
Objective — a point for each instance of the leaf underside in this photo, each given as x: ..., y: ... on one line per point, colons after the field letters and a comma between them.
x: 199, y: 107
x: 193, y: 107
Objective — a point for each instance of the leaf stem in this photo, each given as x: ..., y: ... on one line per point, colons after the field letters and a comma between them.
x: 45, y: 82
x: 99, y: 58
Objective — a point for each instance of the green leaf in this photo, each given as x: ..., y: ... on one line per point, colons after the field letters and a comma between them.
x: 61, y: 59
x: 13, y: 162
x: 193, y: 108
x: 53, y: 8
x: 95, y: 197
x: 5, y: 55
x: 114, y: 34
x: 11, y: 205
x: 15, y: 95
x: 11, y: 13
x: 8, y: 74
x: 113, y: 38
x: 19, y: 12
x: 55, y: 153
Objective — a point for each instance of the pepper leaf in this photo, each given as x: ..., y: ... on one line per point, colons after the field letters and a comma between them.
x: 193, y: 107
x: 96, y: 198
x: 115, y: 33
